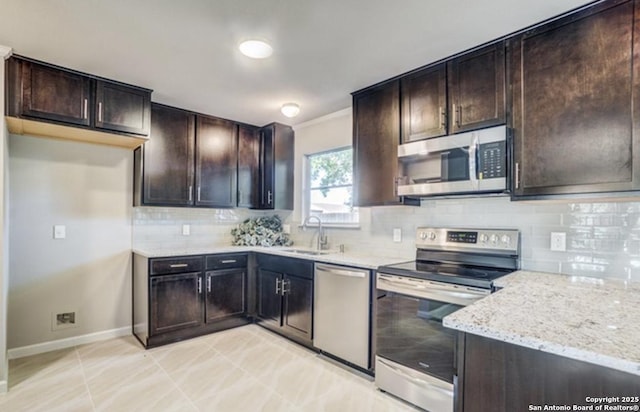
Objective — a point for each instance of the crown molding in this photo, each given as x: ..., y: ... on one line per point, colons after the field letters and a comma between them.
x: 5, y: 51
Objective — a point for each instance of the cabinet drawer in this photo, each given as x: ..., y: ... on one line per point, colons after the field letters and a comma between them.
x: 176, y: 265
x: 226, y: 261
x: 300, y: 267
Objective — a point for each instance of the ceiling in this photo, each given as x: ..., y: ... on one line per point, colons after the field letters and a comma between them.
x: 186, y: 51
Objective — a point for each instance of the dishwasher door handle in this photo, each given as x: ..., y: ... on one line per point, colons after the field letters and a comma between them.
x: 340, y: 272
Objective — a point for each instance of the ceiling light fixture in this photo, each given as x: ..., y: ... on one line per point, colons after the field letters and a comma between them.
x: 290, y: 109
x: 256, y: 49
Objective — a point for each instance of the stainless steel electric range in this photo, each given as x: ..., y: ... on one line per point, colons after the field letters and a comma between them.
x: 453, y: 268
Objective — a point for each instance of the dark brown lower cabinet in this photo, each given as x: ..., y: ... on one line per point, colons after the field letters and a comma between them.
x: 178, y: 298
x: 498, y: 376
x: 225, y: 294
x: 285, y: 297
x: 176, y: 302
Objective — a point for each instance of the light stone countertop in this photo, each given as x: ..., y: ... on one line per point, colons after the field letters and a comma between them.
x: 334, y: 257
x: 588, y: 319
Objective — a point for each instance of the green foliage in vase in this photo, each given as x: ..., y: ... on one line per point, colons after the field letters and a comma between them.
x: 261, y: 231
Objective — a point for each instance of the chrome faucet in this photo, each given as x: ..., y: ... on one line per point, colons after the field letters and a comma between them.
x: 322, y: 238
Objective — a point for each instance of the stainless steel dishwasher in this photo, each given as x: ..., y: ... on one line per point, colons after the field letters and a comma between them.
x: 341, y: 313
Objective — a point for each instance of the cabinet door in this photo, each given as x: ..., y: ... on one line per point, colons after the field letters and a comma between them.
x: 575, y: 94
x: 54, y: 94
x: 376, y: 136
x: 248, y: 164
x: 225, y: 294
x: 424, y: 104
x: 297, y: 316
x: 499, y: 376
x: 270, y: 297
x: 267, y: 164
x: 122, y: 108
x: 168, y: 158
x: 216, y: 162
x: 175, y: 302
x: 283, y: 153
x: 476, y: 89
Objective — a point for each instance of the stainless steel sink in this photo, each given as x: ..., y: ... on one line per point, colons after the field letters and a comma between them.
x: 308, y: 252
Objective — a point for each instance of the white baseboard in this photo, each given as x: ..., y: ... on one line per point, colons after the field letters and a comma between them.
x: 4, y: 387
x: 38, y: 348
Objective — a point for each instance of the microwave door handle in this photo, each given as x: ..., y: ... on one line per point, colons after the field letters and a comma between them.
x: 473, y: 160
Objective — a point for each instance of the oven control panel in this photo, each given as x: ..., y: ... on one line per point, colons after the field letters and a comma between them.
x: 498, y: 240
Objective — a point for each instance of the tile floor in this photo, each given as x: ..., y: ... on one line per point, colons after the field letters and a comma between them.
x: 243, y: 369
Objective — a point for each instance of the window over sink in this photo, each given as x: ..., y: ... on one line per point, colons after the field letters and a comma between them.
x: 328, y: 190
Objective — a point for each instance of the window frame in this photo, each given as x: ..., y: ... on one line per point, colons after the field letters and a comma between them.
x: 306, y: 191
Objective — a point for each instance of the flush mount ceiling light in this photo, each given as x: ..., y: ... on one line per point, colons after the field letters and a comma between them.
x: 290, y: 109
x: 256, y: 49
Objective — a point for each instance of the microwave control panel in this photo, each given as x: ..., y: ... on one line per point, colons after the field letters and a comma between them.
x: 492, y: 160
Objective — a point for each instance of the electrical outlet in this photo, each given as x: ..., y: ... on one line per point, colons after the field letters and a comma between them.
x: 59, y: 231
x: 397, y: 235
x: 186, y: 230
x: 558, y: 241
x: 286, y: 229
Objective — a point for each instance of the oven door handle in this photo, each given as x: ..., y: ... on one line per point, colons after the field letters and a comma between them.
x: 429, y: 286
x: 417, y: 381
x: 435, y: 291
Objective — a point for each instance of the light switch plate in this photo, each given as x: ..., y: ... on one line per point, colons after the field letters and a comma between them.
x: 59, y: 231
x: 397, y: 235
x: 286, y: 229
x: 186, y: 230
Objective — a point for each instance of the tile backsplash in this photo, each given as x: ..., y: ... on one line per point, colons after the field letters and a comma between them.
x: 603, y: 239
x: 161, y: 227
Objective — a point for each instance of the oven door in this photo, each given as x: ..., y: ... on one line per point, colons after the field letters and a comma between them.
x: 409, y: 328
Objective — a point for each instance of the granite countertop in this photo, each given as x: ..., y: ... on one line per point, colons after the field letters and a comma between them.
x: 335, y: 257
x: 588, y: 319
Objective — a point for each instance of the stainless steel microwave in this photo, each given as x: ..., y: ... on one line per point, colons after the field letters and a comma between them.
x: 465, y: 163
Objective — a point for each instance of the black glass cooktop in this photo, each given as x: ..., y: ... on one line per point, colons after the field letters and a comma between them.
x: 468, y: 275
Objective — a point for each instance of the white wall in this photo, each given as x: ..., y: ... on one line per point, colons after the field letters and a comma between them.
x: 87, y: 188
x: 5, y: 52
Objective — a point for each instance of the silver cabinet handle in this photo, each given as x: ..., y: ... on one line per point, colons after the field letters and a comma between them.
x: 517, y: 175
x: 209, y: 284
x: 198, y: 193
x: 199, y: 285
x: 190, y: 193
x: 341, y: 272
x: 284, y: 287
x: 178, y: 265
x: 443, y: 117
x: 457, y: 114
x: 277, y: 286
x: 269, y: 197
x: 228, y: 261
x: 85, y: 109
x: 100, y: 112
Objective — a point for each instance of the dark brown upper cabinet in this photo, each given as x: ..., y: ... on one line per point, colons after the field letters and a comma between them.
x: 190, y: 160
x: 476, y: 89
x: 216, y: 162
x: 51, y: 101
x: 575, y: 103
x: 248, y: 165
x: 462, y: 94
x: 376, y: 135
x: 275, y: 171
x: 52, y: 94
x: 164, y: 166
x: 424, y: 103
x: 122, y: 108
